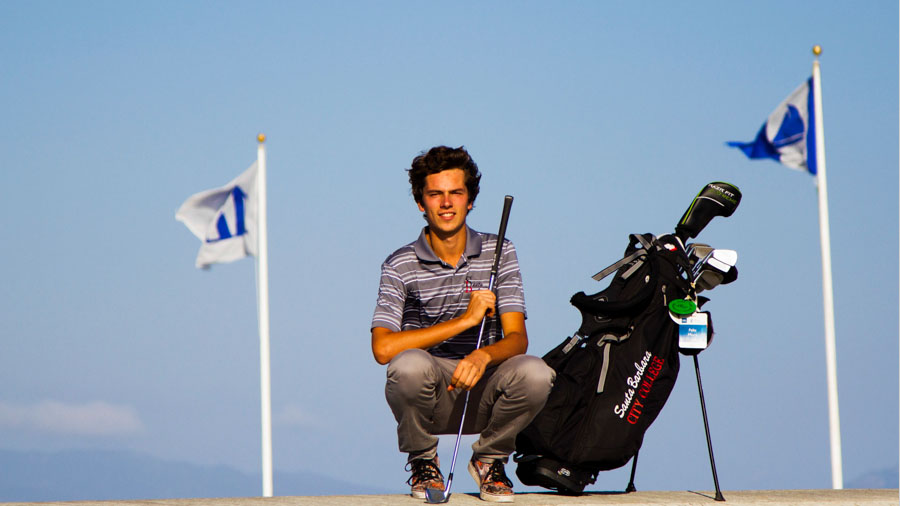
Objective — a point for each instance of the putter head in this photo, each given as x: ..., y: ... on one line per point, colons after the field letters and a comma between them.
x: 716, y: 199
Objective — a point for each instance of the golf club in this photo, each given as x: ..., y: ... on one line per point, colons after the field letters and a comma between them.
x: 720, y: 259
x: 715, y: 268
x: 716, y: 199
x: 433, y: 495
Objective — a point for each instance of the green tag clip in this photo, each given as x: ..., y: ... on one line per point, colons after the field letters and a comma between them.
x: 682, y: 307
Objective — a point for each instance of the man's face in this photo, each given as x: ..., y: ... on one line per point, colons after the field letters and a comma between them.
x: 445, y: 201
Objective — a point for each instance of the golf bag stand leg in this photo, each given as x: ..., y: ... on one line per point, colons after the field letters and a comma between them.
x: 712, y: 459
x: 630, y: 488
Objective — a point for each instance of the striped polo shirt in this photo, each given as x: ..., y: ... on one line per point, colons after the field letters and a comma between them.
x: 419, y: 290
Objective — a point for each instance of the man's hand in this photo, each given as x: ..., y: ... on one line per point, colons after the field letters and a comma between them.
x: 469, y: 370
x: 481, y: 303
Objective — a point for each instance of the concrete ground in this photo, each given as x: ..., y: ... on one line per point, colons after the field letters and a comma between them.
x: 688, y: 498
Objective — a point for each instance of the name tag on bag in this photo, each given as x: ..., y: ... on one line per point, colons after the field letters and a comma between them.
x: 693, y: 331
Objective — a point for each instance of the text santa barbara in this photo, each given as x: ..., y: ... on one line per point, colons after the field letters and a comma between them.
x: 645, y: 373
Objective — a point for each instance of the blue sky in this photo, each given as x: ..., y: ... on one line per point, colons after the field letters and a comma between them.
x: 601, y: 118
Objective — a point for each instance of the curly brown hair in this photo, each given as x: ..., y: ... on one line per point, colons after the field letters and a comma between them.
x: 440, y: 158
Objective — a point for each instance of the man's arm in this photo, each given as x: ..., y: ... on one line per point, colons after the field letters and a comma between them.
x: 515, y: 342
x: 386, y: 343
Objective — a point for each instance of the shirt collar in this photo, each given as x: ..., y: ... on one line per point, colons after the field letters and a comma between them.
x: 425, y: 253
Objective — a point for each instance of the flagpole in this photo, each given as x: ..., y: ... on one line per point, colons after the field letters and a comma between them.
x: 262, y: 276
x: 837, y: 479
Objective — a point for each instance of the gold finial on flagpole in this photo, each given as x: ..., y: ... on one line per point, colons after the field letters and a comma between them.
x: 817, y: 50
x: 261, y: 137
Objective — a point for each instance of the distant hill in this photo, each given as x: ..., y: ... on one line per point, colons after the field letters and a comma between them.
x: 109, y: 475
x: 882, y: 478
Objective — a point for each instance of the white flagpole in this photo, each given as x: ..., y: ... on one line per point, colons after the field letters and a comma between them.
x: 262, y: 275
x: 837, y: 479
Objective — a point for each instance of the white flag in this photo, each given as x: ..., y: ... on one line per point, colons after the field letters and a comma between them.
x: 224, y: 219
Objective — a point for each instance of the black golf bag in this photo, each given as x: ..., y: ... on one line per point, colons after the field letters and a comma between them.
x: 614, y: 375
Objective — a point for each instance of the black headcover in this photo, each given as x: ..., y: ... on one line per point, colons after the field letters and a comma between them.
x: 716, y: 199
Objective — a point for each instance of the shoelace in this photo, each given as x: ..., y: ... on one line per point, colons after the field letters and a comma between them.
x: 497, y: 474
x: 423, y: 470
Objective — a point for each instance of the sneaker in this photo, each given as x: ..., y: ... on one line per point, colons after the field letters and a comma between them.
x: 491, y: 479
x: 426, y: 473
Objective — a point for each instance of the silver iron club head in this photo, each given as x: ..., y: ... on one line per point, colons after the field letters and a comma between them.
x: 436, y: 496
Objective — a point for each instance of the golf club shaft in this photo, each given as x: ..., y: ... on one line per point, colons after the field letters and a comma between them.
x: 498, y: 253
x: 507, y: 205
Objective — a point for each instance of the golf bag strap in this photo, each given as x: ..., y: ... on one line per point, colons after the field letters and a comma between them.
x: 628, y: 259
x: 618, y: 265
x: 586, y: 303
x: 643, y: 240
x: 604, y: 370
x: 604, y: 343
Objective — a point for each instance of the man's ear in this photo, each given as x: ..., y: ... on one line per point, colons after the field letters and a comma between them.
x: 421, y: 207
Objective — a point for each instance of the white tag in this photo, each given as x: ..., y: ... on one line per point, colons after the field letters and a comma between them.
x: 692, y: 331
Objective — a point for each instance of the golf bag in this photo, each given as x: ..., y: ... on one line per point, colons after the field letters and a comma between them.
x: 614, y: 375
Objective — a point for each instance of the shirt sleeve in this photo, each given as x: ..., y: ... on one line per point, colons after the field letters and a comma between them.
x: 510, y: 292
x: 391, y: 297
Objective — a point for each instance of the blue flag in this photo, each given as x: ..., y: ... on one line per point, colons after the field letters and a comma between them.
x: 788, y: 135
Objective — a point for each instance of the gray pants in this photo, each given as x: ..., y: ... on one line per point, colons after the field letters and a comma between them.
x: 503, y: 402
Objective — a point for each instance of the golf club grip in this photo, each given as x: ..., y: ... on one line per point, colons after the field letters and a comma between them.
x: 501, y: 234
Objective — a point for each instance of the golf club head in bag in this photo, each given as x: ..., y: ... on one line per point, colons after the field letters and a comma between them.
x: 716, y: 199
x: 712, y: 267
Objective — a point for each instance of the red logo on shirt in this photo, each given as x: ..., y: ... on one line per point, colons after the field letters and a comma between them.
x: 472, y: 287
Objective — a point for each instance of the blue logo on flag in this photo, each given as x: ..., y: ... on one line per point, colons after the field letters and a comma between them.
x: 791, y: 129
x: 238, y: 197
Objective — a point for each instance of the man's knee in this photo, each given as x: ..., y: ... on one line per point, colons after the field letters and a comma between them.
x: 409, y: 372
x: 531, y: 377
